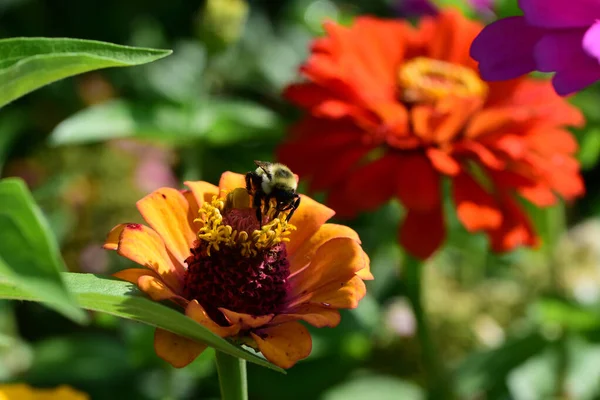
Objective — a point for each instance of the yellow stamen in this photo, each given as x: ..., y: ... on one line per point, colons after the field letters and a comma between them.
x: 424, y: 79
x: 216, y: 234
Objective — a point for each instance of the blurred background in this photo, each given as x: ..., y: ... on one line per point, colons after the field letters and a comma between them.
x: 516, y: 326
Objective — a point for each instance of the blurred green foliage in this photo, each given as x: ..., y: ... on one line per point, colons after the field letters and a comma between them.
x: 525, y: 325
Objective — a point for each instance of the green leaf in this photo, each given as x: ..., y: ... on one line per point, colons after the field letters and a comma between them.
x: 123, y: 299
x: 487, y: 370
x: 217, y: 122
x: 568, y: 315
x: 29, y: 256
x: 536, y: 378
x: 589, y: 148
x: 27, y: 64
x: 375, y: 387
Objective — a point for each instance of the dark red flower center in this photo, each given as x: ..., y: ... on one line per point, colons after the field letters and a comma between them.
x: 239, y: 274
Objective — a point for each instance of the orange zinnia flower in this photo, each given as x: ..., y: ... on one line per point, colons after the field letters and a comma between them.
x: 394, y: 108
x: 205, y: 251
x: 22, y: 391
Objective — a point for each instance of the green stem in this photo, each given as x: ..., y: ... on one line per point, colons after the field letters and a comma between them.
x: 232, y: 377
x: 555, y: 227
x: 436, y: 381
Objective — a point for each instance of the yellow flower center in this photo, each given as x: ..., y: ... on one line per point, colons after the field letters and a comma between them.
x: 218, y: 216
x: 424, y: 79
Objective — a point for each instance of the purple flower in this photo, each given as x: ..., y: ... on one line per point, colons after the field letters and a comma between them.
x: 561, y: 36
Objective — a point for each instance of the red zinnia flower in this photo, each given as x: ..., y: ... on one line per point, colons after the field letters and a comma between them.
x: 394, y: 108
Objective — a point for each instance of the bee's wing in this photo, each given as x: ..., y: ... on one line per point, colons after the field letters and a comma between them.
x: 262, y: 164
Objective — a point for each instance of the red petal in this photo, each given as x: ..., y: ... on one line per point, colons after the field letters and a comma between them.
x: 417, y: 182
x: 476, y: 208
x: 422, y: 233
x: 516, y: 229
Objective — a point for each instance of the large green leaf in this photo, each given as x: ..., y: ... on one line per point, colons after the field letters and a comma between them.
x: 29, y: 256
x: 27, y: 64
x: 112, y: 296
x: 217, y: 122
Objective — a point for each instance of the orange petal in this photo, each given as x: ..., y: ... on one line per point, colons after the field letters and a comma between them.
x: 309, y: 247
x: 143, y: 246
x: 112, y: 239
x: 155, y: 288
x: 203, y: 191
x: 516, y: 229
x: 196, y: 312
x: 451, y: 124
x: 308, y: 218
x: 443, y: 161
x: 246, y: 321
x: 192, y: 210
x: 487, y: 121
x: 365, y: 273
x: 284, y: 344
x: 133, y: 274
x: 421, y: 121
x: 315, y: 315
x: 176, y: 350
x: 340, y: 294
x: 166, y: 211
x: 231, y: 180
x: 337, y: 260
x: 476, y: 208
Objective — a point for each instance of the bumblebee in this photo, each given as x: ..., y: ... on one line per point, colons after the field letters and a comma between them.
x: 272, y: 181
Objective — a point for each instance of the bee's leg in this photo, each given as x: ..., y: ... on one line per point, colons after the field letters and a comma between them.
x: 257, y: 203
x: 267, y: 205
x: 294, y: 207
x: 249, y: 182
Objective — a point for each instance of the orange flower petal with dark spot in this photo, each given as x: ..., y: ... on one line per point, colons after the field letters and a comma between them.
x: 340, y: 294
x: 144, y: 246
x: 245, y: 321
x: 166, y: 211
x: 196, y: 312
x: 284, y: 344
x: 176, y: 350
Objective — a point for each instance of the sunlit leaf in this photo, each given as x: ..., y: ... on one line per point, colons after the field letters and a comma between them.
x: 27, y: 64
x: 29, y: 256
x: 217, y: 122
x: 487, y: 370
x: 112, y: 296
x: 536, y: 378
x: 568, y: 315
x: 375, y: 387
